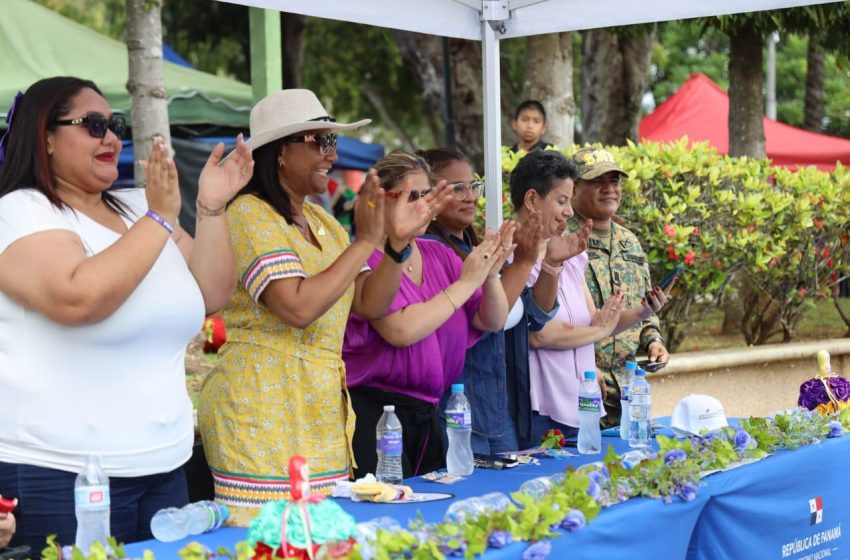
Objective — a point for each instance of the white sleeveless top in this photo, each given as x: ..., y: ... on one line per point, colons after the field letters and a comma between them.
x: 116, y: 388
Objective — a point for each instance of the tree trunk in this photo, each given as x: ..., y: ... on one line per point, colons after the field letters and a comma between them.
x: 146, y: 83
x: 815, y: 62
x: 549, y: 79
x: 379, y: 105
x: 423, y: 55
x: 746, y: 106
x: 615, y: 74
x: 292, y: 30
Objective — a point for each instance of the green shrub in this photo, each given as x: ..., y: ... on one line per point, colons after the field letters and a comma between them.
x: 784, y: 231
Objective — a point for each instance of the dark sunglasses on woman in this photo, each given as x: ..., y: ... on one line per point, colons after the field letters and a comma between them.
x: 97, y: 124
x: 325, y: 140
x: 414, y: 195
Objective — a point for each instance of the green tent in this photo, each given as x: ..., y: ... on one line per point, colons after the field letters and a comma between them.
x: 37, y: 43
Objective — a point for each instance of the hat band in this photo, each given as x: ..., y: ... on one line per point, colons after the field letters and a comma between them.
x: 324, y: 119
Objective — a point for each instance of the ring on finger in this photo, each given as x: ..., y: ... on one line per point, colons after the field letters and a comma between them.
x: 370, y: 204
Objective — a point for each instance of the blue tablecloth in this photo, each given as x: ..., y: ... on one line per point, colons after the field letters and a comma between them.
x: 757, y: 511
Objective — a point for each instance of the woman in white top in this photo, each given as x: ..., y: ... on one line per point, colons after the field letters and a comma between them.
x: 100, y: 291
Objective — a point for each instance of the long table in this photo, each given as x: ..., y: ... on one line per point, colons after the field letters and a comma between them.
x: 765, y: 510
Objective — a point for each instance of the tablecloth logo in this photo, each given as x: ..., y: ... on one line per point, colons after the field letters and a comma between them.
x: 816, y: 509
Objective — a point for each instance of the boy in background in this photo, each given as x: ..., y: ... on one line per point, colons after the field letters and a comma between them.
x: 529, y: 124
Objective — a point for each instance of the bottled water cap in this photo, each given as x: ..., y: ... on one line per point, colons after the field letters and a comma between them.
x: 630, y: 365
x: 389, y: 408
x: 457, y: 388
x: 589, y: 375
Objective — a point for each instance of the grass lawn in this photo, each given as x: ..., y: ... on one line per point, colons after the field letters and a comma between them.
x: 820, y: 322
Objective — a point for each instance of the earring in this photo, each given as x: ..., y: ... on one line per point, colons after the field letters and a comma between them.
x: 280, y: 163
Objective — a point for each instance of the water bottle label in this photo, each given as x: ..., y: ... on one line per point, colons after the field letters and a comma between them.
x: 590, y: 404
x: 92, y: 497
x: 391, y: 444
x: 625, y: 393
x: 459, y: 419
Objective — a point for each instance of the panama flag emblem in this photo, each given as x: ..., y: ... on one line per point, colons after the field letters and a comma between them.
x: 816, y: 509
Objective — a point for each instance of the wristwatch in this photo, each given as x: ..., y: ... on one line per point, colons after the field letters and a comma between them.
x: 397, y: 257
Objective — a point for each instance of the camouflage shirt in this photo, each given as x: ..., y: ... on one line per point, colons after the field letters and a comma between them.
x: 617, y: 262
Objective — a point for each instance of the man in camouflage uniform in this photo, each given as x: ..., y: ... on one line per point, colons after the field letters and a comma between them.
x: 616, y: 262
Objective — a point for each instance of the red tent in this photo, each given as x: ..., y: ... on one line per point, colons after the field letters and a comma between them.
x: 700, y: 111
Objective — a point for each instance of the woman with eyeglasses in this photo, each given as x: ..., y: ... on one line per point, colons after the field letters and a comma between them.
x: 495, y: 363
x: 100, y: 292
x: 411, y: 354
x: 278, y: 388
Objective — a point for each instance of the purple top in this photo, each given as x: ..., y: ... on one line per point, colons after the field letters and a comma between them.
x: 555, y: 374
x: 426, y: 369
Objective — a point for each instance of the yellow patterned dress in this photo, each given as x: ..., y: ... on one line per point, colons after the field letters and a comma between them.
x: 276, y: 390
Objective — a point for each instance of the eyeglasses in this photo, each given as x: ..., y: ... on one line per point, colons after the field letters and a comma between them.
x: 325, y: 140
x: 97, y: 124
x: 414, y: 195
x: 462, y: 190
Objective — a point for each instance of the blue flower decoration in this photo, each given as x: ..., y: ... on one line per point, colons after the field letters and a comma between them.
x: 835, y: 429
x: 674, y: 455
x: 687, y: 491
x: 574, y: 521
x: 537, y: 551
x: 743, y: 440
x: 499, y: 539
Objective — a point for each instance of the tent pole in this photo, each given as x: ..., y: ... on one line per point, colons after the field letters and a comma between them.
x: 266, y: 65
x: 492, y: 126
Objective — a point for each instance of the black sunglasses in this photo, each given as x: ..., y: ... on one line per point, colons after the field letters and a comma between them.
x: 97, y: 124
x: 325, y: 140
x: 413, y: 197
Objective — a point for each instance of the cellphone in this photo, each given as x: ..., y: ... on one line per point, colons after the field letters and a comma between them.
x: 646, y: 365
x: 672, y: 275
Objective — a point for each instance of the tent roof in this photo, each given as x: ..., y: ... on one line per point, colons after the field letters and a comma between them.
x: 37, y: 43
x: 459, y: 18
x: 700, y: 111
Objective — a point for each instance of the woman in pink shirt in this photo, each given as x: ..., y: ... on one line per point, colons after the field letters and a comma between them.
x: 543, y: 181
x: 411, y: 355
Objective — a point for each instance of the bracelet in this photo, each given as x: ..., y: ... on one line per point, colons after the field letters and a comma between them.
x: 454, y: 306
x: 207, y: 211
x: 549, y: 269
x: 160, y: 220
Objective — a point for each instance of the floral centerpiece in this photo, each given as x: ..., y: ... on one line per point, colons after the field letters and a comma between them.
x: 307, y: 527
x: 827, y: 393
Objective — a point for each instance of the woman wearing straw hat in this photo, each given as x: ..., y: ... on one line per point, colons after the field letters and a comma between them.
x: 279, y: 386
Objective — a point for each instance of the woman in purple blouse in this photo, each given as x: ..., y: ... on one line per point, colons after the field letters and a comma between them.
x: 411, y: 355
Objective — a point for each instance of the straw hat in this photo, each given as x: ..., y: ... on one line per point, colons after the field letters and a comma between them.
x: 288, y: 112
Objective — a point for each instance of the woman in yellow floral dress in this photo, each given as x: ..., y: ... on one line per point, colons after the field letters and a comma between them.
x: 279, y: 386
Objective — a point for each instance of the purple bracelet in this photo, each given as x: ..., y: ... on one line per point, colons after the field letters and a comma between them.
x: 160, y: 220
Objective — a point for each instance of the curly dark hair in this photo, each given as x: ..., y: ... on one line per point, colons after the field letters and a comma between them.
x: 538, y: 171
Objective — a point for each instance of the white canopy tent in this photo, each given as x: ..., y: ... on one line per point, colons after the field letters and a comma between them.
x: 489, y: 21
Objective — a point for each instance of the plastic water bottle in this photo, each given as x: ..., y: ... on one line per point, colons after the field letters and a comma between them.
x: 625, y: 399
x: 368, y: 530
x: 537, y: 487
x: 631, y: 459
x: 389, y: 445
x: 173, y: 524
x: 91, y: 505
x: 640, y: 411
x: 459, y: 460
x: 495, y: 501
x: 468, y: 508
x: 589, y: 411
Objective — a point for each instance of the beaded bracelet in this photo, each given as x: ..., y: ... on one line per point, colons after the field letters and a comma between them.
x: 160, y: 220
x: 206, y: 210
